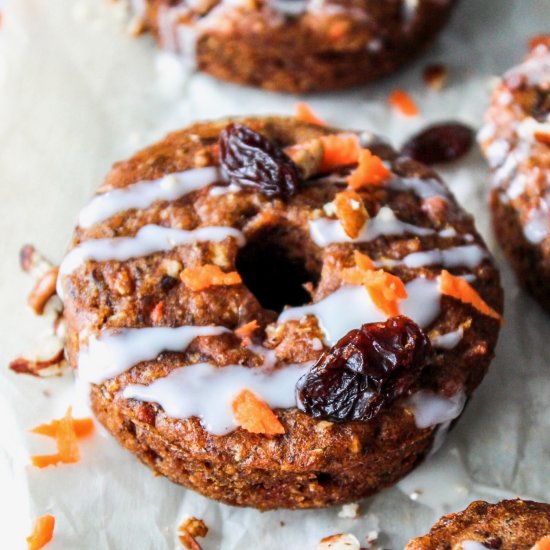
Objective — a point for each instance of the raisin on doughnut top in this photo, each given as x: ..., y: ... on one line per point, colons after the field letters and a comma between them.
x: 507, y: 525
x: 295, y: 45
x: 278, y: 314
x: 516, y: 141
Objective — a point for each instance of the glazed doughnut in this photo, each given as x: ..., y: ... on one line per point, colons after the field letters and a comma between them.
x: 295, y: 45
x: 516, y: 141
x: 278, y: 314
x: 510, y: 524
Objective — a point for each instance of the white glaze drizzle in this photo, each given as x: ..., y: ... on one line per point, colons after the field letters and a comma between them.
x: 537, y: 227
x: 324, y: 231
x: 207, y: 392
x: 144, y: 193
x: 431, y: 409
x: 351, y: 306
x: 115, y: 351
x: 148, y: 240
x: 472, y: 545
x: 423, y: 188
x: 468, y: 255
x: 449, y: 340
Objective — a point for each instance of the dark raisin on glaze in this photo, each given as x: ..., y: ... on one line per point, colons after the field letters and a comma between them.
x: 248, y: 158
x: 440, y: 143
x: 365, y: 371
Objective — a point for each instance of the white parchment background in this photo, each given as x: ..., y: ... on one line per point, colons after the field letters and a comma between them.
x: 76, y: 94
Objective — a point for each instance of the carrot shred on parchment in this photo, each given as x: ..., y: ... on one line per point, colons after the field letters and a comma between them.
x: 402, y: 102
x: 42, y: 532
x: 66, y: 441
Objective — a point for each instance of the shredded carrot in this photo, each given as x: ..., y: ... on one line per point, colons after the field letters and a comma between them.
x: 157, y: 313
x: 370, y: 171
x: 82, y: 427
x: 356, y: 275
x: 401, y: 101
x: 67, y: 444
x: 245, y: 332
x: 460, y: 289
x: 305, y: 113
x: 199, y: 278
x: 385, y: 291
x: 384, y: 288
x: 338, y: 30
x: 339, y: 150
x: 542, y: 544
x: 42, y: 532
x: 543, y: 137
x: 255, y: 416
x: 351, y: 212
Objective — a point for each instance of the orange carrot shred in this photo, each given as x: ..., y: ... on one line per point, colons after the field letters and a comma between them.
x: 199, y: 278
x: 461, y: 290
x: 338, y: 30
x: 157, y: 313
x: 339, y: 150
x: 305, y: 113
x: 82, y: 427
x: 401, y: 101
x: 66, y: 441
x: 42, y: 532
x: 362, y: 261
x: 254, y: 415
x: 384, y: 288
x: 370, y: 171
x: 245, y: 332
x: 351, y: 212
x: 542, y: 544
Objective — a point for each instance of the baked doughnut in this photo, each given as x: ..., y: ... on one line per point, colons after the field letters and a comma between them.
x: 508, y: 525
x: 198, y: 298
x: 516, y: 141
x: 295, y: 45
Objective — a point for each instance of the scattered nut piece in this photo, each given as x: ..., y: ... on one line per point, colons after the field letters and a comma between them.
x: 372, y: 537
x: 351, y: 212
x: 307, y: 156
x: 43, y: 367
x: 435, y: 76
x: 349, y: 511
x: 189, y: 530
x: 43, y: 290
x: 342, y: 541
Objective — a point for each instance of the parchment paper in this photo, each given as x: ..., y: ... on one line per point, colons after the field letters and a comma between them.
x: 76, y: 94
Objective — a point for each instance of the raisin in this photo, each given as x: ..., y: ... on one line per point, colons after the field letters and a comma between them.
x: 440, y: 143
x: 248, y: 158
x: 541, y: 106
x: 367, y: 370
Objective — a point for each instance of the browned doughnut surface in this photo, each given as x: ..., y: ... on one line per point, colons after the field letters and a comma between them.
x: 323, y: 46
x: 516, y: 142
x: 508, y: 525
x: 315, y: 463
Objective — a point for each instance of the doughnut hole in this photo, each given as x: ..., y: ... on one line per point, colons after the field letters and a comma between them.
x: 275, y: 264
